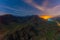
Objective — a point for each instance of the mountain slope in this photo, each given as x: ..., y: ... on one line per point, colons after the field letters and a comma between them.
x: 28, y: 28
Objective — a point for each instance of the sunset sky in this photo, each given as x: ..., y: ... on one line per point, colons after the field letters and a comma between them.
x: 30, y: 7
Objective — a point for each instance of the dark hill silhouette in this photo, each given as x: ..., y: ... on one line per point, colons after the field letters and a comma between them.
x: 6, y: 19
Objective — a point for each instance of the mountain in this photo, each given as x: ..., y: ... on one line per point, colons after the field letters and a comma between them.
x: 27, y: 28
x: 56, y: 18
x: 6, y: 19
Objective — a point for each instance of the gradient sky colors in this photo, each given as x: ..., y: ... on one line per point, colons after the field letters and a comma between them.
x: 30, y: 7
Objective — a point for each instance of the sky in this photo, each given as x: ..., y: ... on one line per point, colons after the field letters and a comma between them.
x: 30, y: 7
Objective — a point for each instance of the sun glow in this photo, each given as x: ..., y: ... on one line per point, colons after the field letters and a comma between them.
x: 46, y: 17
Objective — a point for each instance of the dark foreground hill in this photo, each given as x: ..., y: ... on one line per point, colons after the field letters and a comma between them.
x: 28, y: 28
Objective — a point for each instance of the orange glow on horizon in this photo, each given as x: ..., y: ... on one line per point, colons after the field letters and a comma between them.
x: 46, y: 17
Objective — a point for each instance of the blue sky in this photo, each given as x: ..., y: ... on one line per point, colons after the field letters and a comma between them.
x: 21, y: 8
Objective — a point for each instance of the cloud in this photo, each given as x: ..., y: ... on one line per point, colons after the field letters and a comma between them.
x: 45, y: 3
x: 4, y: 6
x: 15, y: 10
x: 2, y: 13
x: 55, y: 11
x: 41, y: 8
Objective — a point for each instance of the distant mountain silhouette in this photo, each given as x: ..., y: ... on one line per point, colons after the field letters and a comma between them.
x: 6, y: 19
x: 57, y: 18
